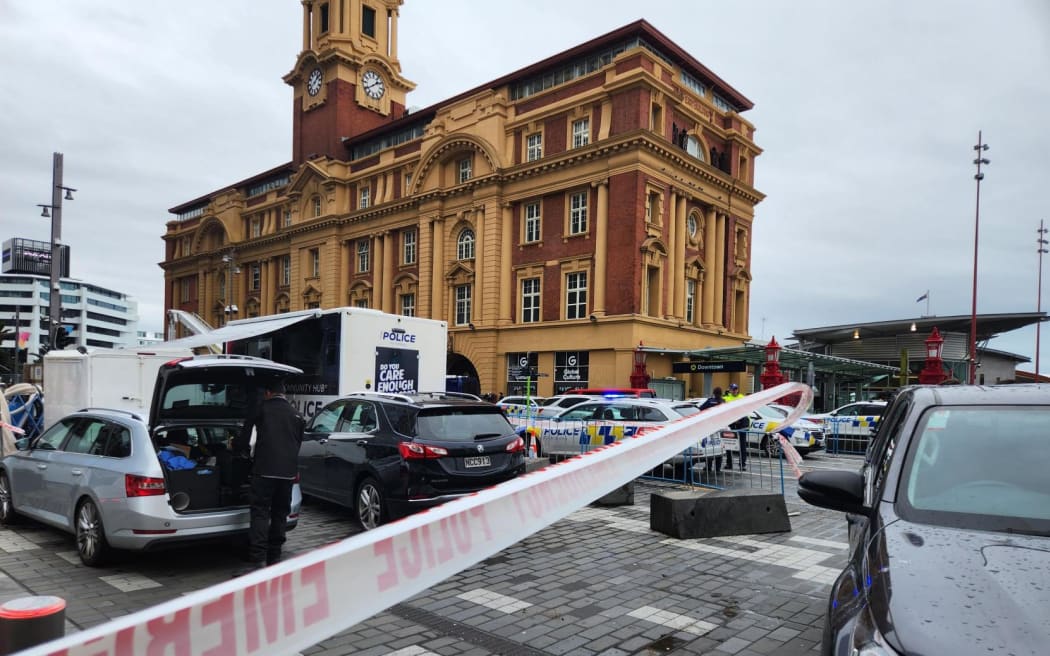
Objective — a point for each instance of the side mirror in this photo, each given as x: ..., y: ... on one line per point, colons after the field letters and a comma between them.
x: 834, y: 490
x: 22, y: 443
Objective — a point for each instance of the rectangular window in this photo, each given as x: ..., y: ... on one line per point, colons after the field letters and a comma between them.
x: 184, y: 290
x: 408, y: 244
x: 530, y: 300
x: 256, y: 276
x: 463, y: 293
x: 408, y: 305
x: 324, y: 18
x: 690, y: 300
x: 576, y: 295
x: 315, y: 262
x: 465, y: 166
x: 362, y: 255
x: 652, y: 207
x: 317, y: 206
x: 534, y: 147
x: 256, y: 227
x: 287, y: 218
x: 581, y: 132
x: 578, y: 213
x: 286, y: 270
x: 368, y: 21
x: 361, y: 303
x: 532, y: 222
x: 366, y: 196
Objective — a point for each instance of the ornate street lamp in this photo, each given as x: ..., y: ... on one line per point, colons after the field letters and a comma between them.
x: 933, y: 373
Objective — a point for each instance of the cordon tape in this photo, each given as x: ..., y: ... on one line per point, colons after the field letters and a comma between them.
x: 299, y: 602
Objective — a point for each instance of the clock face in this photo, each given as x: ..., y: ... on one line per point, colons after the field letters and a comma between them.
x: 372, y: 84
x: 313, y: 83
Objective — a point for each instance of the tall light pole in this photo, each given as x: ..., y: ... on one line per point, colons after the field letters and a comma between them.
x: 980, y: 148
x: 55, y: 301
x: 1040, y: 243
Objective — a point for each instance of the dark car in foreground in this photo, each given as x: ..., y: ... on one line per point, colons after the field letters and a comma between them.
x: 388, y: 455
x: 949, y: 548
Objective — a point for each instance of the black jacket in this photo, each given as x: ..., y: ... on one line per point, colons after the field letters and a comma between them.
x: 278, y: 435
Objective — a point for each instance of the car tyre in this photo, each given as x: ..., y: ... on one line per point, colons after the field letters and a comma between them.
x: 7, y: 506
x: 370, y: 504
x: 771, y: 446
x: 92, y: 546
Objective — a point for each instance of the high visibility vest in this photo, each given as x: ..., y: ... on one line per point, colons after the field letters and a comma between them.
x: 732, y: 397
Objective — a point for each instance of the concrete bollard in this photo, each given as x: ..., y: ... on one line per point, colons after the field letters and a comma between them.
x: 30, y: 621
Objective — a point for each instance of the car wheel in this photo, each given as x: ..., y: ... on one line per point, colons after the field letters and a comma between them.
x: 92, y: 546
x: 7, y: 508
x: 771, y: 446
x: 371, y: 506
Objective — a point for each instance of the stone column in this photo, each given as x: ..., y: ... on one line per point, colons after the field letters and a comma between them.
x: 506, y: 293
x: 393, y: 34
x: 708, y: 306
x: 345, y: 262
x: 437, y: 271
x: 720, y: 270
x: 389, y: 239
x: 671, y: 268
x: 601, y: 246
x: 680, y: 236
x: 378, y: 284
x: 306, y: 27
x: 479, y: 266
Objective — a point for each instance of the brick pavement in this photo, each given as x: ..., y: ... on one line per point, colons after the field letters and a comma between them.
x: 597, y: 582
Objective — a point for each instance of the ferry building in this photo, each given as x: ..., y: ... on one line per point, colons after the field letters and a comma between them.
x: 560, y: 214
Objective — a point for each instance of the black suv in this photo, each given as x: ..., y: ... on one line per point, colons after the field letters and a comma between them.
x: 388, y: 455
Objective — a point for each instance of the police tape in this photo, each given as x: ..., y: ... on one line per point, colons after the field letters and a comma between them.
x: 302, y: 601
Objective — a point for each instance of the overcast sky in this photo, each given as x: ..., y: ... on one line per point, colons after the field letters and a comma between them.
x: 867, y: 113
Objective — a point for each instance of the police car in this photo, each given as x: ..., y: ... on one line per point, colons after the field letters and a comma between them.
x: 853, y: 419
x: 763, y: 424
x: 599, y: 421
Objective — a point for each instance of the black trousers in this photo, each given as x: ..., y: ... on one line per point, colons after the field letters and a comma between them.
x: 271, y: 500
x: 741, y: 440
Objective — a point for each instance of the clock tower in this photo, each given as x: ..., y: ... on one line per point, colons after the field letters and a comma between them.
x: 347, y: 79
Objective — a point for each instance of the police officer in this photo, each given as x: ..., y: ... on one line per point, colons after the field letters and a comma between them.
x: 740, y: 426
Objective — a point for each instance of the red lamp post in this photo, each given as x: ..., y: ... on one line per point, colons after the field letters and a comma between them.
x: 639, y: 377
x: 771, y: 374
x: 933, y: 372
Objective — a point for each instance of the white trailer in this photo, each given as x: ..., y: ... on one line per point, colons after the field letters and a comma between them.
x: 103, y: 378
x: 340, y: 350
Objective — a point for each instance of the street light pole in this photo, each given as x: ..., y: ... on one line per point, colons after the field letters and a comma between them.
x: 980, y: 148
x: 1040, y: 248
x: 55, y: 299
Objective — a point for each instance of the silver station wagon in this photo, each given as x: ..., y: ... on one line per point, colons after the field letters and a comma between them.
x: 119, y: 481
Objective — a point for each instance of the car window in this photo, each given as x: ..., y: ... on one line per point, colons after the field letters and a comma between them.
x: 947, y: 485
x: 359, y: 417
x: 881, y: 448
x: 461, y: 424
x: 402, y: 418
x: 327, y: 420
x: 56, y: 435
x: 584, y: 411
x: 648, y: 413
x: 85, y: 435
x: 114, y: 441
x: 686, y: 409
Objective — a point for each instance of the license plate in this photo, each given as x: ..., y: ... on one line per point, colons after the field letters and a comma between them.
x: 477, y: 461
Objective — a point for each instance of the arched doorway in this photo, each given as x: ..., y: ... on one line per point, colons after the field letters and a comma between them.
x: 460, y: 375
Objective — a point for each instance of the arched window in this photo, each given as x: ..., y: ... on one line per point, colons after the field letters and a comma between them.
x: 692, y: 146
x: 465, y: 245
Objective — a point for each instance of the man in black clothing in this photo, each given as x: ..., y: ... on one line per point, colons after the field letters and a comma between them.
x: 279, y: 433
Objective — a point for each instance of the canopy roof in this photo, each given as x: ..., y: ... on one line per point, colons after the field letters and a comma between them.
x: 754, y: 353
x: 988, y: 326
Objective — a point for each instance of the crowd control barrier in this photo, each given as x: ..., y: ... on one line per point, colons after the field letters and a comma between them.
x: 299, y: 602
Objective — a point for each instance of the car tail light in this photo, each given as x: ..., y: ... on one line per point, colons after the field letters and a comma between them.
x: 143, y: 486
x: 413, y: 451
x: 517, y: 445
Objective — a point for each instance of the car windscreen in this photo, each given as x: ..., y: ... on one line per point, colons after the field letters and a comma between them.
x: 461, y: 424
x: 979, y: 467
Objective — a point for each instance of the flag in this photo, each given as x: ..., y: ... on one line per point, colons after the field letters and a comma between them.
x: 923, y: 297
x: 23, y: 339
